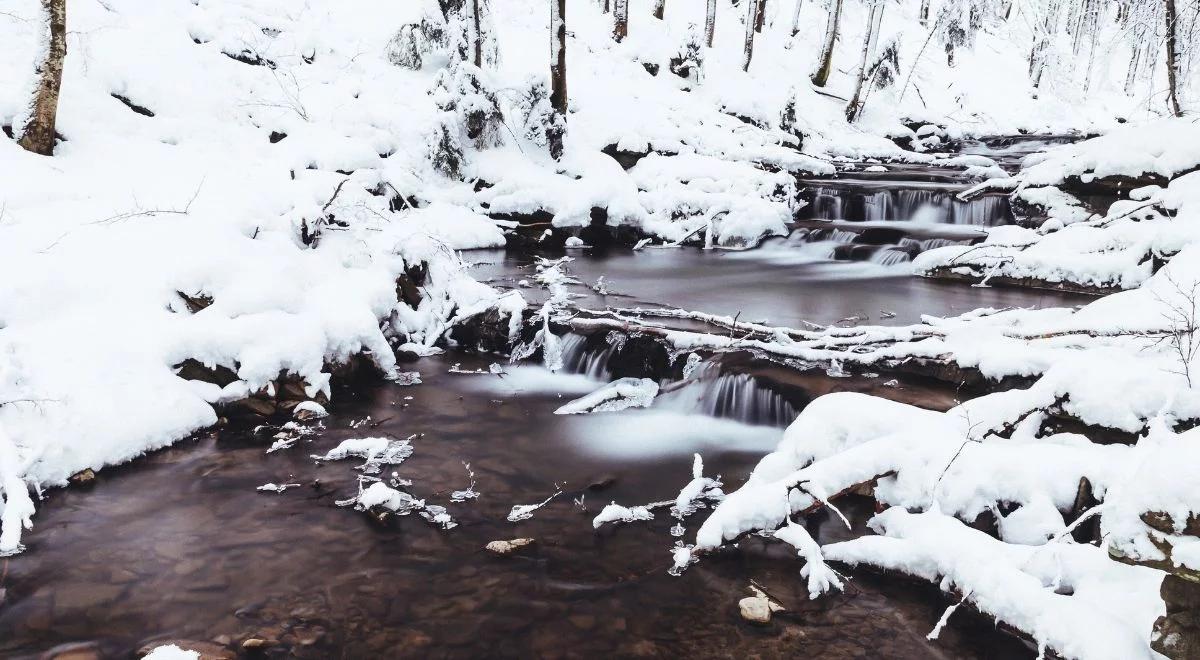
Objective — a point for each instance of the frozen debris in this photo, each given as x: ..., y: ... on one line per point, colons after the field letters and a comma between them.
x: 438, y: 515
x: 309, y: 410
x: 469, y: 493
x: 288, y: 434
x: 359, y: 423
x: 600, y: 287
x: 617, y: 395
x: 885, y: 314
x: 682, y: 556
x: 381, y: 496
x: 642, y: 243
x: 456, y: 368
x: 276, y: 488
x: 525, y: 511
x: 616, y: 513
x: 495, y: 368
x: 697, y: 491
x: 407, y: 378
x: 758, y: 608
x: 377, y: 452
x: 891, y: 383
x: 575, y: 243
x: 821, y: 578
x: 835, y: 369
x: 505, y: 548
x: 689, y: 367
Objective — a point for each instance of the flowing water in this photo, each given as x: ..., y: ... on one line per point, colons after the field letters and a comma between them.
x: 181, y: 545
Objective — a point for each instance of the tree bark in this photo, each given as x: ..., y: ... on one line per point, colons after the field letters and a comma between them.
x: 37, y: 135
x: 760, y: 16
x: 558, y: 75
x: 660, y: 9
x: 821, y: 77
x: 710, y: 23
x: 478, y: 45
x: 796, y: 17
x: 620, y: 19
x: 755, y: 9
x: 1172, y: 61
x: 854, y: 108
x: 924, y: 15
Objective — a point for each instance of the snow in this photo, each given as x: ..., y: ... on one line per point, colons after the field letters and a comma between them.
x: 171, y: 652
x: 618, y: 395
x: 291, y: 196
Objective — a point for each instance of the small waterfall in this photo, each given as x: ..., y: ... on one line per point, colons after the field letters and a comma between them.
x: 928, y: 205
x: 731, y: 396
x: 890, y: 257
x: 930, y: 243
x: 578, y: 358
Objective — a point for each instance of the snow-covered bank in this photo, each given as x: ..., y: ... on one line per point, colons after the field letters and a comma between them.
x: 146, y: 241
x: 1151, y: 166
x: 1124, y: 362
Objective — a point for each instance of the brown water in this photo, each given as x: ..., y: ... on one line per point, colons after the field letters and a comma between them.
x: 180, y: 545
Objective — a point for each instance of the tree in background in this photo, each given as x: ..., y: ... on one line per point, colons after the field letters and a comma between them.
x: 710, y: 22
x: 620, y: 19
x: 755, y: 9
x: 36, y: 133
x: 660, y: 9
x: 796, y: 17
x: 825, y: 62
x: 874, y: 21
x: 558, y: 76
x: 760, y: 15
x: 1172, y: 58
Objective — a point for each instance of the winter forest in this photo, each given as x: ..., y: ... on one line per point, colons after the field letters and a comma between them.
x: 600, y: 328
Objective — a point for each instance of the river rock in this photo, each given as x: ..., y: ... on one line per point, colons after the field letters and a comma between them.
x: 85, y: 477
x: 505, y: 548
x: 757, y: 609
x: 1177, y: 633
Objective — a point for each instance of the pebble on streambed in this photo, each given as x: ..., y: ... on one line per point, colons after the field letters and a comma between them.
x: 505, y: 548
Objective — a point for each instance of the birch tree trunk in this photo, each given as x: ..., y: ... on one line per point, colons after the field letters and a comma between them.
x: 754, y: 7
x: 796, y: 17
x: 874, y: 19
x: 710, y: 23
x: 558, y: 76
x: 660, y: 9
x: 1172, y: 60
x: 831, y: 29
x: 37, y: 135
x: 620, y: 19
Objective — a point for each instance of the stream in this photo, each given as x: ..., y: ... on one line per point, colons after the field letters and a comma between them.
x: 180, y: 545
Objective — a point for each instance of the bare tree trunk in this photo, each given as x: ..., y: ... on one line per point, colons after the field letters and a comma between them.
x: 37, y: 135
x: 607, y: 6
x: 478, y: 45
x: 620, y: 19
x: 710, y: 23
x: 1172, y: 61
x: 796, y: 17
x: 660, y: 9
x: 874, y: 19
x: 558, y: 76
x: 754, y: 7
x: 924, y: 15
x: 831, y: 29
x: 760, y: 16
